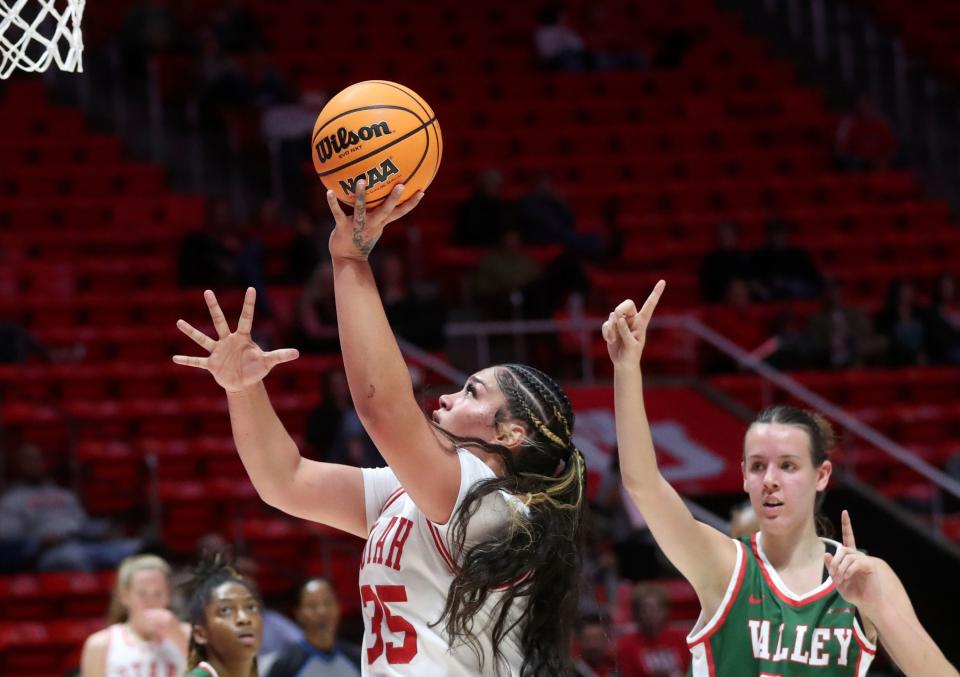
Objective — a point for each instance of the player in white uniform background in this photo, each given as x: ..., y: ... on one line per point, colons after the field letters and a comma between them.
x: 143, y: 636
x: 472, y: 559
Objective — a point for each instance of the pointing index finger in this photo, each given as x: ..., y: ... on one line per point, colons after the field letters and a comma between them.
x: 651, y: 303
x: 847, y: 529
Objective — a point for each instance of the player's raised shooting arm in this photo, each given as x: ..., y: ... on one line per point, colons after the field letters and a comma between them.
x: 702, y: 554
x: 376, y: 371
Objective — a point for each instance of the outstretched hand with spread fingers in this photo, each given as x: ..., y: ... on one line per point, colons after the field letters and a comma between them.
x: 235, y: 361
x: 355, y: 236
x: 854, y: 573
x: 625, y: 331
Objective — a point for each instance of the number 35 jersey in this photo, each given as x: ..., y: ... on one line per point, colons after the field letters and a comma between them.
x: 405, y: 575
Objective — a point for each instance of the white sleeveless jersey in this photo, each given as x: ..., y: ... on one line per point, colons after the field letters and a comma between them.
x: 405, y: 574
x: 130, y: 656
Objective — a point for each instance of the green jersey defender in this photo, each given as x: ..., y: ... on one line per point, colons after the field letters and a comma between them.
x: 764, y: 629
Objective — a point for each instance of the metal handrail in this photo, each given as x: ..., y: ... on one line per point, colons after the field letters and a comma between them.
x: 483, y: 330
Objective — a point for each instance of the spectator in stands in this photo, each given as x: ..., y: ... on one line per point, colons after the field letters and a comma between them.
x: 308, y: 246
x: 203, y: 260
x: 789, y: 347
x: 502, y: 277
x: 840, y: 335
x: 315, y: 323
x: 599, y: 570
x: 865, y: 139
x: 483, y: 217
x: 596, y: 657
x: 638, y: 557
x: 320, y: 653
x: 237, y: 28
x: 142, y: 636
x: 610, y: 41
x: 223, y: 254
x: 287, y: 123
x: 673, y: 49
x: 222, y: 83
x: 334, y: 430
x: 415, y: 311
x: 943, y: 322
x: 51, y: 524
x: 559, y: 47
x: 546, y: 218
x: 737, y: 320
x: 149, y: 28
x: 656, y: 649
x: 613, y: 232
x: 901, y: 323
x: 781, y: 271
x: 18, y: 345
x: 726, y: 261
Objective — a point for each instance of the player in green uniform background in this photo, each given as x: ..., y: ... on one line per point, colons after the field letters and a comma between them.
x: 785, y: 602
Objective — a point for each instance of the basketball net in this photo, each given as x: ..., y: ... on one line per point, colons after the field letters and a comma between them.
x: 34, y: 33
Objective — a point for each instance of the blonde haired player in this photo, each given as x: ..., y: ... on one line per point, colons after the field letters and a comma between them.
x: 143, y: 636
x: 783, y: 601
x: 472, y: 558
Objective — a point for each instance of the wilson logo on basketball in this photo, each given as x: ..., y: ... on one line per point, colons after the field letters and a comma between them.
x: 334, y: 144
x: 373, y: 176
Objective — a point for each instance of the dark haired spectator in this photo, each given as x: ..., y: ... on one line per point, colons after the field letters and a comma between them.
x: 782, y: 271
x: 308, y: 246
x: 595, y: 649
x: 790, y: 343
x: 237, y: 28
x: 314, y: 327
x: 736, y: 319
x: 287, y: 124
x: 943, y: 321
x: 726, y: 261
x: 504, y: 272
x: 673, y: 49
x: 149, y: 28
x: 483, y: 217
x: 320, y: 653
x: 840, y: 335
x: 901, y: 322
x: 223, y: 254
x: 333, y: 429
x: 637, y: 554
x: 18, y: 345
x: 414, y: 310
x: 609, y: 40
x: 865, y: 138
x: 545, y: 217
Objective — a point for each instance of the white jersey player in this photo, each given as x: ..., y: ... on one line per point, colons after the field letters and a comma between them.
x: 143, y: 637
x: 405, y: 574
x: 472, y: 560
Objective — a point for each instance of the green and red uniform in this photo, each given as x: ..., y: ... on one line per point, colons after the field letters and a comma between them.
x: 764, y: 629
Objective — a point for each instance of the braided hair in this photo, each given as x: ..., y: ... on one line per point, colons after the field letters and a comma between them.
x: 539, y: 556
x: 211, y: 572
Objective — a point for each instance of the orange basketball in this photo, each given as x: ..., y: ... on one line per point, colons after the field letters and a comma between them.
x: 378, y: 131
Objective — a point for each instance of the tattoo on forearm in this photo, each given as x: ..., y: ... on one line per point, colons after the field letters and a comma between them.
x: 360, y: 225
